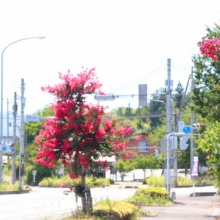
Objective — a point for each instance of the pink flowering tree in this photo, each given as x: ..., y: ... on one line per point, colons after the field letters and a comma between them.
x: 206, y: 76
x: 206, y: 99
x: 211, y: 48
x: 78, y: 134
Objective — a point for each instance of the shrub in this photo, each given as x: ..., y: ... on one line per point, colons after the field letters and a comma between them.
x: 115, y: 210
x: 42, y: 172
x: 154, y: 181
x: 56, y: 181
x: 153, y: 191
x: 107, y: 209
x: 6, y: 186
x: 150, y: 196
x: 111, y: 181
x: 206, y: 179
x: 97, y: 182
x: 181, y: 181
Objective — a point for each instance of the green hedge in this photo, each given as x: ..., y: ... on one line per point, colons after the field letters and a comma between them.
x: 115, y: 210
x: 157, y: 181
x: 65, y: 181
x: 150, y: 196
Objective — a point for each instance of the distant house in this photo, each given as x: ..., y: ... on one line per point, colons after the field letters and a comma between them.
x: 141, y: 146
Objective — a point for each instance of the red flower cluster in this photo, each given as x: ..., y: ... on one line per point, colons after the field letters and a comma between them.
x: 101, y: 162
x: 210, y: 48
x: 207, y: 157
x: 77, y: 133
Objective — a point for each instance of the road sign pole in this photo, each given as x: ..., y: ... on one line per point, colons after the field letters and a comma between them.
x: 21, y: 165
x: 168, y: 166
x: 15, y: 108
x: 168, y: 158
x: 168, y: 119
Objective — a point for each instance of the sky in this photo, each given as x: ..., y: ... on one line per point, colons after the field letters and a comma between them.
x: 128, y: 41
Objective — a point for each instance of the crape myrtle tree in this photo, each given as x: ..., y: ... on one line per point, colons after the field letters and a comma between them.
x: 78, y: 134
x: 206, y: 92
x: 206, y: 96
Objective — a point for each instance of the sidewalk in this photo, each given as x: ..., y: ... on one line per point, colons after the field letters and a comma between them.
x: 186, y: 206
x: 189, y: 208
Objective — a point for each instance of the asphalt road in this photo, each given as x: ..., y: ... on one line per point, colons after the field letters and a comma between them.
x: 50, y: 203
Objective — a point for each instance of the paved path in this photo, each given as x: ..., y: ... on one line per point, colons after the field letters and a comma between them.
x: 190, y: 208
x: 186, y: 205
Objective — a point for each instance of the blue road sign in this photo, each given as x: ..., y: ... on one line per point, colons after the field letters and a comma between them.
x: 4, y: 148
x: 186, y: 129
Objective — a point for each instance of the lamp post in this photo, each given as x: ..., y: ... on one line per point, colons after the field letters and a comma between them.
x: 1, y: 132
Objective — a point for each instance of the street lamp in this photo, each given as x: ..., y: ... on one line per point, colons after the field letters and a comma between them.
x: 1, y: 132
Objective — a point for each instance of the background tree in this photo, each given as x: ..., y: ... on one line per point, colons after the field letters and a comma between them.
x: 32, y: 128
x: 184, y: 157
x: 208, y: 143
x: 157, y: 134
x: 206, y: 93
x: 31, y: 131
x: 178, y: 95
x: 157, y: 107
x: 30, y: 153
x: 147, y: 162
x: 123, y: 167
x: 137, y: 121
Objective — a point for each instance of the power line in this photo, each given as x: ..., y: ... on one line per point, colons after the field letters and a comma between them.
x: 134, y: 82
x: 180, y: 67
x: 148, y: 116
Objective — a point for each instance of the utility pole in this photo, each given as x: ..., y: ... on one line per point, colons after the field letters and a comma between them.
x: 21, y: 165
x: 192, y: 121
x: 175, y: 151
x: 7, y: 119
x: 168, y: 118
x: 15, y: 108
x: 7, y: 132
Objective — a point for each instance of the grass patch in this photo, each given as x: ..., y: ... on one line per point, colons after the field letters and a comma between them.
x: 107, y: 209
x: 150, y: 196
x: 115, y: 210
x: 6, y: 186
x: 158, y: 181
x: 128, y: 209
x: 65, y: 181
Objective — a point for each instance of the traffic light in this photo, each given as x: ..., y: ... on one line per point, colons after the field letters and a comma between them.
x: 183, y: 144
x: 197, y: 126
x: 12, y: 147
x: 173, y: 143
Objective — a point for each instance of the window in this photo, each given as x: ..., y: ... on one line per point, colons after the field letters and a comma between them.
x: 142, y: 146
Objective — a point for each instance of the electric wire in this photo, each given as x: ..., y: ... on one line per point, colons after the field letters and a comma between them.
x: 134, y: 82
x: 180, y: 67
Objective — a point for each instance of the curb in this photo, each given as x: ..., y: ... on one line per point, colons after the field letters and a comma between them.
x: 188, y: 186
x: 14, y: 192
x: 203, y: 194
x: 149, y: 214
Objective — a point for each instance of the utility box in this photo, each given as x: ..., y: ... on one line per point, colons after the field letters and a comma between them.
x: 142, y: 95
x: 166, y: 180
x: 33, y: 183
x: 173, y: 195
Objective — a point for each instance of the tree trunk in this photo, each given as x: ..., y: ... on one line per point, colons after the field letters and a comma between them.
x: 86, y: 199
x: 83, y: 199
